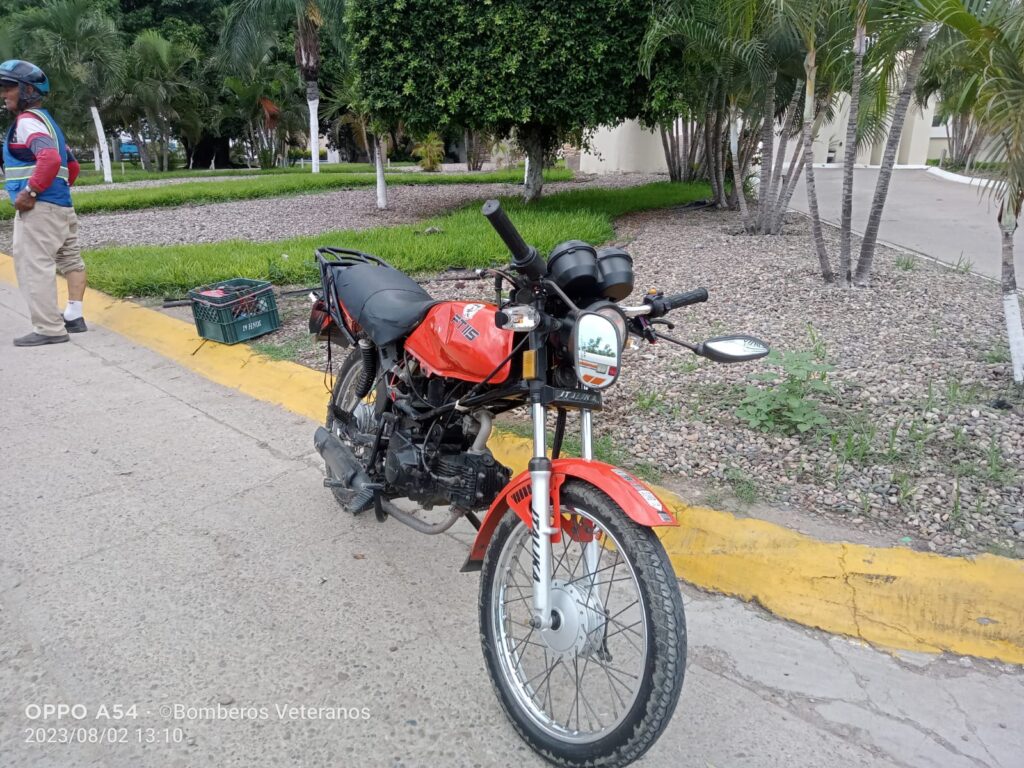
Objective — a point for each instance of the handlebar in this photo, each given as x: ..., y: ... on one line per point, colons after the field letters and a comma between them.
x: 525, y: 258
x: 662, y: 306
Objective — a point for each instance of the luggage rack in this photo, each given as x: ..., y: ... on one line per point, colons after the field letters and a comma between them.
x: 329, y: 260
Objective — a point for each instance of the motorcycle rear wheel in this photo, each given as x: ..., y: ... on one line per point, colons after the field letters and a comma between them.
x: 622, y: 623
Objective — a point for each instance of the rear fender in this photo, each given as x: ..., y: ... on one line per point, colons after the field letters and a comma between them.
x: 638, y: 501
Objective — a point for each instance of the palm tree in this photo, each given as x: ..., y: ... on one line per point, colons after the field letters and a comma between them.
x: 850, y: 150
x: 252, y: 25
x: 164, y: 86
x: 264, y: 105
x: 806, y: 17
x: 991, y: 46
x: 726, y: 68
x: 950, y: 80
x: 81, y: 50
x: 924, y: 33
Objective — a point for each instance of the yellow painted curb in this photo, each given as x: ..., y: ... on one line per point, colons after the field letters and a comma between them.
x: 895, y: 597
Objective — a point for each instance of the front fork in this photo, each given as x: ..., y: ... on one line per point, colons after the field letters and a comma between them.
x: 543, y: 528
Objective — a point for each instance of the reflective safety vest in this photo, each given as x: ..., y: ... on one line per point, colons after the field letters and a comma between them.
x: 20, y: 163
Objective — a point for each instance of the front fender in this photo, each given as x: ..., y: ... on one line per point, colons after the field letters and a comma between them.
x: 638, y: 501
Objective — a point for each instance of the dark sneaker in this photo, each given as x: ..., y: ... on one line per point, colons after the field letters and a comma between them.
x: 76, y: 326
x: 38, y: 340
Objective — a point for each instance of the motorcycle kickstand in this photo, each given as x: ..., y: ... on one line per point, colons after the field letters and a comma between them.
x: 378, y: 508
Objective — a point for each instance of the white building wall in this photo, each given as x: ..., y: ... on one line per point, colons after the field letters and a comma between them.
x: 629, y: 148
x: 626, y: 148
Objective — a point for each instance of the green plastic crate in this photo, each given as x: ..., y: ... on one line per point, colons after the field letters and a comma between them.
x: 246, y: 309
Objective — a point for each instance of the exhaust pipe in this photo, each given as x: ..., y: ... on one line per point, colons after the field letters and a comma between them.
x: 344, y: 466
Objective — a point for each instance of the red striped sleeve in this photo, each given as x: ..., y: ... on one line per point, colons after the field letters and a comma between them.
x: 47, y: 167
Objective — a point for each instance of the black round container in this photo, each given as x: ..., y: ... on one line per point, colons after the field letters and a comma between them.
x: 616, y: 273
x: 573, y: 267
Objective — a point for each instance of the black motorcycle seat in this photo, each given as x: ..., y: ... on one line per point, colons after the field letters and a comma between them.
x: 388, y: 304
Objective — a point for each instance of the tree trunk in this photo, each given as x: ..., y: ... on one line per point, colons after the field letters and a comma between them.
x: 97, y: 163
x: 670, y: 148
x: 313, y: 99
x: 143, y: 155
x: 534, y: 177
x: 776, y: 192
x: 737, y: 174
x: 165, y: 151
x: 767, y: 146
x: 474, y: 161
x: 694, y: 161
x: 787, y: 192
x: 850, y: 151
x: 817, y: 236
x: 101, y: 140
x: 709, y: 157
x: 682, y: 127
x: 382, y: 190
x: 720, y: 132
x: 892, y: 143
x: 1011, y: 301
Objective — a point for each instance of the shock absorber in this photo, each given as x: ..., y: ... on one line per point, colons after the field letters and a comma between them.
x: 369, y: 372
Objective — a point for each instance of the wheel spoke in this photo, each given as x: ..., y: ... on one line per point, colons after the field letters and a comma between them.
x: 627, y: 638
x: 586, y: 575
x: 622, y: 611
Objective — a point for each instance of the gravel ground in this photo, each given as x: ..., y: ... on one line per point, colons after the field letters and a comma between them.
x: 277, y: 218
x: 927, y: 437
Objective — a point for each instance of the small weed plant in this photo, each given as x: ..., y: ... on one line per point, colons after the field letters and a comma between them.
x: 787, y: 404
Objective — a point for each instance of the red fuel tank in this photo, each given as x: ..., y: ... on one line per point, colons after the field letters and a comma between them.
x: 459, y: 340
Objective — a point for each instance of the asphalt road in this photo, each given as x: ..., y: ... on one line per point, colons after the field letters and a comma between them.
x: 946, y: 220
x: 167, y: 543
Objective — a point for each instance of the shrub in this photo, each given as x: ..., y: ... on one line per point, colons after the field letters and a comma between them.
x: 430, y: 151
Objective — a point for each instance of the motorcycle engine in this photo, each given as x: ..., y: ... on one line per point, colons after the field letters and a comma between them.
x: 444, y: 473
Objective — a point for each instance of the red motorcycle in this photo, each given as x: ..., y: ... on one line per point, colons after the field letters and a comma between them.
x: 581, y: 619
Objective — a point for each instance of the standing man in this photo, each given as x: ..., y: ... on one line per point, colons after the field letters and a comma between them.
x: 40, y: 170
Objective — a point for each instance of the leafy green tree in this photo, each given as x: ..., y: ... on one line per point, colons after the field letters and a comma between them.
x: 544, y: 71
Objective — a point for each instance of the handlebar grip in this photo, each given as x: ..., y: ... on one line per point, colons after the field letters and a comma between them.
x: 524, y: 257
x: 660, y: 307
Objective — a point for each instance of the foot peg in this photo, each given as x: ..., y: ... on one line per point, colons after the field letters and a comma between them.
x: 364, y: 498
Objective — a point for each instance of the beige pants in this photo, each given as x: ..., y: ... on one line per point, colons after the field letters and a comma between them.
x: 45, y: 242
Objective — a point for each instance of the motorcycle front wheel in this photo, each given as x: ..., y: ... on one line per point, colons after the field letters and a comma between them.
x: 600, y: 686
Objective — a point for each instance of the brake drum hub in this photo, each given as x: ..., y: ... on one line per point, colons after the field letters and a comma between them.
x: 579, y: 623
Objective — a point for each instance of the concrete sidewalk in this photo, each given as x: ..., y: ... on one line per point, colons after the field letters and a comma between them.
x: 168, y: 543
x: 952, y: 222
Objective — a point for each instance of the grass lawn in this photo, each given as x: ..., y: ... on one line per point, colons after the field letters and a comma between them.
x: 272, y: 185
x: 465, y: 240
x: 89, y: 177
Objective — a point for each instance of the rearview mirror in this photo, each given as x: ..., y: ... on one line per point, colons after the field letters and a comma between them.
x: 598, y: 348
x: 732, y: 349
